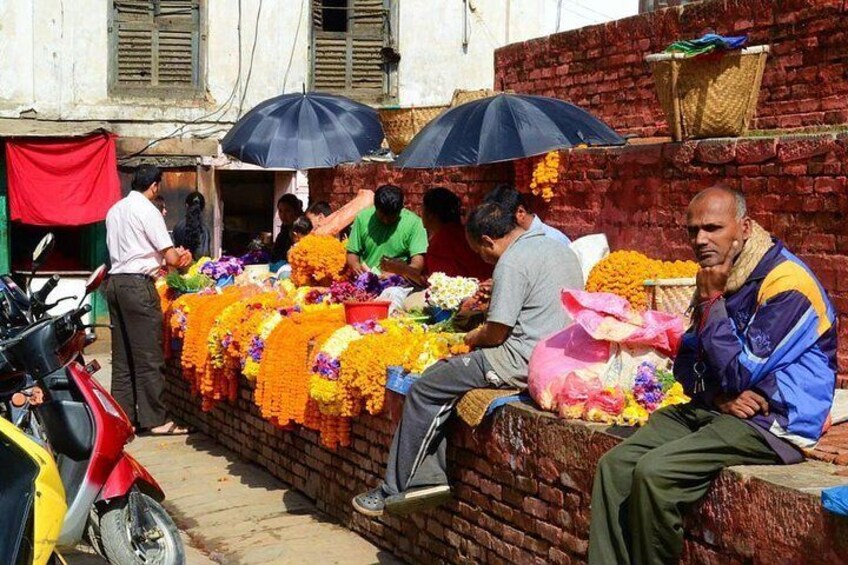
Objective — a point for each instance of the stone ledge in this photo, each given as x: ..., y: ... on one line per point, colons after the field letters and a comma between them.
x: 522, y: 484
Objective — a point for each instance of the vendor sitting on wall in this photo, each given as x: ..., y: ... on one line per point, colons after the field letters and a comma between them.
x: 386, y: 231
x: 530, y: 271
x: 760, y: 365
x: 447, y: 251
x: 511, y: 199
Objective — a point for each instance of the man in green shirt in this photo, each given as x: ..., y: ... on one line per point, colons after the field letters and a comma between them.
x: 386, y: 234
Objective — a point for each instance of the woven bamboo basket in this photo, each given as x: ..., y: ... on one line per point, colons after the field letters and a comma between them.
x: 401, y: 124
x: 711, y: 95
x: 671, y: 295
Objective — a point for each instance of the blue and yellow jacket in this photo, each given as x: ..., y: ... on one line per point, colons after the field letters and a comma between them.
x: 776, y: 335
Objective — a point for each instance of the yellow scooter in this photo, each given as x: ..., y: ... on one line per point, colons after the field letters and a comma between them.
x: 32, y: 500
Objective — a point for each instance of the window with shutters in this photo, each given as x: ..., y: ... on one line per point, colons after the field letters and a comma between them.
x: 157, y: 48
x: 348, y: 37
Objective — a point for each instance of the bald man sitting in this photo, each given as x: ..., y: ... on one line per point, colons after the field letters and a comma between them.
x: 759, y: 363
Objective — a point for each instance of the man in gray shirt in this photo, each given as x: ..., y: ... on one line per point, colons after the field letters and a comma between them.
x: 530, y: 272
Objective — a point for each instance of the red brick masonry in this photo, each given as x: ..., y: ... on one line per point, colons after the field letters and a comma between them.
x: 601, y: 68
x: 522, y: 484
x: 637, y: 195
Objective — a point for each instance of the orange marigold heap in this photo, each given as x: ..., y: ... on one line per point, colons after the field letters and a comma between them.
x: 282, y: 385
x: 317, y: 260
x: 624, y: 273
x: 195, y: 354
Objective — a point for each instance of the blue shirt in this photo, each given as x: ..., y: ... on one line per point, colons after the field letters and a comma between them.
x: 549, y: 231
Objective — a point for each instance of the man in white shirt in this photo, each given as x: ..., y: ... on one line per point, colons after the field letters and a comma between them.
x: 513, y: 201
x: 138, y: 244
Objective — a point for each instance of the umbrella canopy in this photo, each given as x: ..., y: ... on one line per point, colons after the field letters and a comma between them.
x: 502, y: 128
x: 305, y: 131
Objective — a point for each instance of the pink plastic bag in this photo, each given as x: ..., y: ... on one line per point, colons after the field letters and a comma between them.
x: 583, y: 350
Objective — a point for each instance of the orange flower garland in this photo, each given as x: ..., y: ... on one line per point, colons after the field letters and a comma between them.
x: 625, y: 272
x: 317, y: 260
x: 195, y: 354
x: 545, y: 176
x: 283, y: 379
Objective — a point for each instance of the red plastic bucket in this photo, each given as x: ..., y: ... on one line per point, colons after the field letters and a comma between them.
x: 359, y: 312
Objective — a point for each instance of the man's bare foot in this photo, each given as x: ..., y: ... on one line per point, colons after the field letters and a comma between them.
x: 168, y: 429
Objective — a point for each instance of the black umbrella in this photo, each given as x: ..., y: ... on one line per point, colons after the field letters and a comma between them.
x: 305, y: 131
x: 502, y: 128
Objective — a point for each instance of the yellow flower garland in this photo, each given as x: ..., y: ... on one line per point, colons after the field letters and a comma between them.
x: 317, y: 260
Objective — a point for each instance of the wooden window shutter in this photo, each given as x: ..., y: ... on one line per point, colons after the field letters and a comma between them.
x: 350, y: 63
x: 157, y: 44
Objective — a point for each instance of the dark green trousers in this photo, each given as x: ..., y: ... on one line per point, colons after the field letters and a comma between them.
x: 643, y: 486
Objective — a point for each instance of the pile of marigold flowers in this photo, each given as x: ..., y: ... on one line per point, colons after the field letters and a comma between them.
x: 317, y: 260
x: 624, y: 273
x: 350, y: 367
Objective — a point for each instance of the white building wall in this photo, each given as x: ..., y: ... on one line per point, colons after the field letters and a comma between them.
x: 55, y: 61
x: 54, y: 56
x: 432, y: 33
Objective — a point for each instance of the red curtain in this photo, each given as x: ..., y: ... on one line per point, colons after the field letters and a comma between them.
x: 62, y: 182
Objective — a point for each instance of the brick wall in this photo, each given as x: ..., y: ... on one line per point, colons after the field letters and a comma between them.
x: 337, y: 186
x: 796, y: 187
x: 522, y: 489
x: 601, y: 68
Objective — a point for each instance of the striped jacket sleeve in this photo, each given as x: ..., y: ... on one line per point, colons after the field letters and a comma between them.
x: 791, y: 315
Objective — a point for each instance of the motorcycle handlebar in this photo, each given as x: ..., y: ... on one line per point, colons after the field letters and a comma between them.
x: 41, y: 294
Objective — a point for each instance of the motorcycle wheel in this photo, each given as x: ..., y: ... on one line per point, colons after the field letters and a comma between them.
x: 122, y: 548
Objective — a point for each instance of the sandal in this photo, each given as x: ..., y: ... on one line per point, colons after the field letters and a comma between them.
x: 370, y: 503
x: 417, y: 499
x: 172, y: 430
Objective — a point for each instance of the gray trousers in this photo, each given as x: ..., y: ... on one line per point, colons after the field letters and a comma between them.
x: 138, y: 359
x: 418, y: 453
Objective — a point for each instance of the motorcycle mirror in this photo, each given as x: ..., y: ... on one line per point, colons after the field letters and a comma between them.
x: 42, y: 251
x: 95, y: 279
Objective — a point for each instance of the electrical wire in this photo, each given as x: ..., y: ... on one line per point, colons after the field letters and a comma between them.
x: 222, y: 109
x: 579, y: 4
x: 250, y: 66
x: 294, y: 48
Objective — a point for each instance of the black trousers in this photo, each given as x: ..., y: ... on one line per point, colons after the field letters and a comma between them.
x: 138, y: 358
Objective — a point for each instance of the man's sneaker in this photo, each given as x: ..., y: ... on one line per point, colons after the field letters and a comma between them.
x: 414, y: 500
x: 371, y: 503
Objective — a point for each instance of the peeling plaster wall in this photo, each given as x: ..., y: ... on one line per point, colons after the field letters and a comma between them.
x: 435, y: 63
x: 55, y: 57
x: 55, y: 64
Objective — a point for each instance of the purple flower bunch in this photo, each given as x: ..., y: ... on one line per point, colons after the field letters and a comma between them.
x: 257, y: 347
x: 344, y: 291
x: 255, y: 257
x: 369, y: 327
x: 327, y: 367
x: 374, y: 285
x: 223, y: 267
x: 648, y: 389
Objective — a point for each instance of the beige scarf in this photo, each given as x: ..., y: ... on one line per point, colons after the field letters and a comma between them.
x: 752, y: 253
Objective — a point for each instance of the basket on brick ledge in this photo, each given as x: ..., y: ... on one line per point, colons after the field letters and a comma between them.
x: 711, y: 95
x: 671, y: 295
x: 401, y: 124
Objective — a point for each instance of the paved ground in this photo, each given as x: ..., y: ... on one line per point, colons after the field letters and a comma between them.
x: 233, y: 512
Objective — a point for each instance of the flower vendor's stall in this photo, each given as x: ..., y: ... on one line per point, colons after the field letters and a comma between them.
x: 290, y: 336
x: 315, y: 361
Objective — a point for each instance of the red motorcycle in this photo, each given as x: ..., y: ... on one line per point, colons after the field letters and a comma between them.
x: 113, y: 502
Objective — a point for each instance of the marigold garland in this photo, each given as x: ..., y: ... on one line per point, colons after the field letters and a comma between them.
x: 317, y: 260
x: 282, y: 385
x: 625, y: 272
x: 207, y: 381
x: 545, y: 176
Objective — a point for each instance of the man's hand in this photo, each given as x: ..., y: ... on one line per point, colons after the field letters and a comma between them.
x: 185, y: 258
x: 356, y: 266
x: 712, y: 281
x: 471, y: 338
x: 744, y: 405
